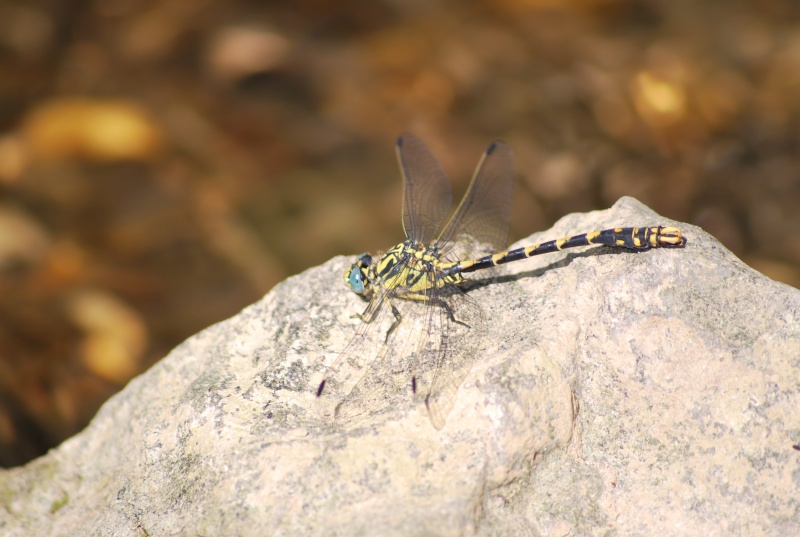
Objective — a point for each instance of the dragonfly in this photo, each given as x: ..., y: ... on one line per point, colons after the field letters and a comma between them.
x: 428, y: 328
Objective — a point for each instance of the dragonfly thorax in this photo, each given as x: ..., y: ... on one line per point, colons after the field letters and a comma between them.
x: 409, y: 268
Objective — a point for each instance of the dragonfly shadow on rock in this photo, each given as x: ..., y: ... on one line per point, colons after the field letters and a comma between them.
x: 420, y: 332
x: 499, y: 279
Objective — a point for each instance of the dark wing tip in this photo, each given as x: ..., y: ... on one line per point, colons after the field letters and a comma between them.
x: 494, y: 146
x: 321, y: 387
x: 402, y: 139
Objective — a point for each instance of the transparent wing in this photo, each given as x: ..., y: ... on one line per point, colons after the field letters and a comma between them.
x: 388, y: 381
x: 428, y: 352
x: 357, y: 356
x: 427, y: 194
x: 482, y: 216
x: 425, y: 358
x: 449, y: 357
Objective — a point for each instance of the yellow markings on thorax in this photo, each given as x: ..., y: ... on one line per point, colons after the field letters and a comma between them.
x: 411, y: 270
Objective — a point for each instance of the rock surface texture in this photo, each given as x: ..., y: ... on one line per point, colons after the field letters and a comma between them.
x: 617, y: 393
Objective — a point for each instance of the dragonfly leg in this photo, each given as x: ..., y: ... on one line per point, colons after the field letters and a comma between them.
x: 449, y: 310
x: 394, y: 324
x: 369, y: 312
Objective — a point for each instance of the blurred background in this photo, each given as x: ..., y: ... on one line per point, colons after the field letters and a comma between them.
x: 164, y: 164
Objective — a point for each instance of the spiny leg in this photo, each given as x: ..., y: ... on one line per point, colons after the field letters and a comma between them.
x: 443, y: 303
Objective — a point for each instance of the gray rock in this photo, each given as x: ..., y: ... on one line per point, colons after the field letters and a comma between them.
x: 619, y: 393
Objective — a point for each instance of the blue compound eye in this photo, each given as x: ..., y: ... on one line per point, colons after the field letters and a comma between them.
x: 356, y: 280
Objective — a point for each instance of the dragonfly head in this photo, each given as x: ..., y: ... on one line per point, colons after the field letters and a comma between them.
x: 356, y: 276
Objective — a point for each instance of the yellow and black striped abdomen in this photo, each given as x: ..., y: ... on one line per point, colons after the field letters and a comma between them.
x: 633, y: 238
